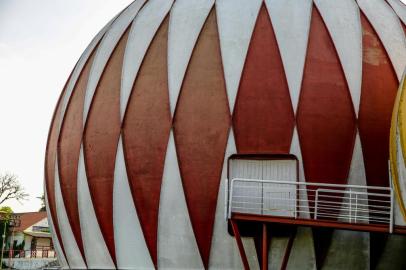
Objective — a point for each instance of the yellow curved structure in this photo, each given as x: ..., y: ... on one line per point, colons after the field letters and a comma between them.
x: 398, y: 147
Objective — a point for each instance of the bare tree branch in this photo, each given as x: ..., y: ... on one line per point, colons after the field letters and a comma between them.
x: 10, y: 188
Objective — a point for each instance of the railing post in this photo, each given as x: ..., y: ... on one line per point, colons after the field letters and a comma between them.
x: 295, y: 203
x: 226, y: 199
x: 230, y: 198
x: 356, y: 208
x: 262, y: 198
x: 265, y: 247
x: 316, y: 204
x: 350, y: 208
x: 391, y: 211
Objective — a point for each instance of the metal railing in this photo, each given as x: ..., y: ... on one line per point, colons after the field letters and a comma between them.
x: 353, y: 204
x: 30, y: 254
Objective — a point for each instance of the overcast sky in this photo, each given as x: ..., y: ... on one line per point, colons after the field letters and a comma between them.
x: 40, y: 42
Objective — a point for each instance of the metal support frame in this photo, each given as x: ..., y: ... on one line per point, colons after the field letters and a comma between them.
x: 240, y: 245
x: 391, y: 212
x: 288, y: 250
x: 265, y: 247
x: 319, y: 223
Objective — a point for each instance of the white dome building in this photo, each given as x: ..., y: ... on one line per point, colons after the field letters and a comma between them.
x: 137, y: 152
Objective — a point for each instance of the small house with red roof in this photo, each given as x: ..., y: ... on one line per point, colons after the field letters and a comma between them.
x: 33, y: 234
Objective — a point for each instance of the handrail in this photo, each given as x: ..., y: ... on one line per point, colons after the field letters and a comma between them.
x: 357, y: 204
x: 309, y: 183
x: 30, y: 253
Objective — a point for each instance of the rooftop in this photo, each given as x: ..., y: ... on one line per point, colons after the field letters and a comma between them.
x: 29, y: 218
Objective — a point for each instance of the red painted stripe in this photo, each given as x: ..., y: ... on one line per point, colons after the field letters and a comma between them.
x: 50, y: 161
x: 378, y: 92
x: 263, y: 119
x: 325, y: 119
x: 145, y: 136
x: 101, y: 135
x: 201, y: 126
x: 69, y: 142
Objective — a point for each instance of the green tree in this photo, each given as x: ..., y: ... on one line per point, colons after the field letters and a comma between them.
x: 7, y: 211
x: 5, y: 214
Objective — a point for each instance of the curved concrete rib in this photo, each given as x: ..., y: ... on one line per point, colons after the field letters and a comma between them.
x: 185, y: 22
x: 72, y: 252
x: 399, y: 8
x: 131, y: 249
x: 358, y: 253
x: 291, y: 22
x: 177, y: 247
x: 79, y: 67
x: 143, y: 30
x: 96, y: 252
x: 295, y: 150
x: 61, y: 258
x: 387, y: 25
x: 236, y: 21
x: 106, y: 47
x: 343, y: 22
x: 224, y: 252
x: 303, y: 253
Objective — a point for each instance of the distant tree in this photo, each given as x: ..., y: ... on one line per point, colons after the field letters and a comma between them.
x: 5, y: 215
x: 6, y: 212
x: 43, y: 206
x: 10, y: 188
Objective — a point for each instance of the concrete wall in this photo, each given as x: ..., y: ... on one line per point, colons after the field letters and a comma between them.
x: 30, y: 263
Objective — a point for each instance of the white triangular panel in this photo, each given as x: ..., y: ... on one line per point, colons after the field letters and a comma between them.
x: 277, y: 250
x: 356, y: 177
x: 302, y: 255
x: 223, y: 245
x: 106, y: 48
x: 387, y: 25
x: 143, y: 30
x: 236, y: 21
x: 224, y: 251
x: 357, y: 170
x: 60, y: 255
x: 177, y: 246
x: 342, y: 19
x: 353, y: 245
x: 399, y: 8
x: 186, y: 20
x: 291, y: 23
x: 295, y: 150
x: 96, y: 252
x: 72, y: 251
x: 359, y: 250
x: 397, y: 213
x: 131, y: 248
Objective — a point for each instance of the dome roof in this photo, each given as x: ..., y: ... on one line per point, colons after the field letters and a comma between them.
x: 167, y: 90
